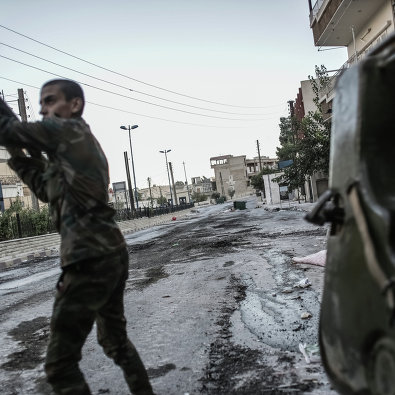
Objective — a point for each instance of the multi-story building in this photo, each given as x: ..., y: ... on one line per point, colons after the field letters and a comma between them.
x: 304, y: 103
x: 234, y: 173
x: 357, y: 25
x: 255, y: 165
x: 201, y: 185
x: 231, y: 175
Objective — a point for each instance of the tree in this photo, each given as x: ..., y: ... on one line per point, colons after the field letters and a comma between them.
x: 215, y: 195
x: 199, y: 197
x: 306, y: 143
x: 161, y: 200
x: 180, y: 183
x: 257, y: 180
x: 16, y: 206
x: 231, y: 192
x: 320, y: 81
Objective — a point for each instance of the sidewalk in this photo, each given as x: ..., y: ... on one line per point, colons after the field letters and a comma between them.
x: 13, y: 252
x: 294, y: 205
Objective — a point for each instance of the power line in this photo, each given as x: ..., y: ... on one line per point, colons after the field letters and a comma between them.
x: 123, y: 75
x: 141, y: 115
x: 128, y: 97
x: 122, y: 86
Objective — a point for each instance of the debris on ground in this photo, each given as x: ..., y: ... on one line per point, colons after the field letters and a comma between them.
x: 304, y: 283
x: 317, y: 259
x: 305, y: 315
x: 311, y: 352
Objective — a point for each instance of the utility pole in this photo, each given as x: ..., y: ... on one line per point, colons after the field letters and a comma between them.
x: 186, y: 180
x: 168, y: 175
x: 22, y: 113
x: 21, y: 105
x: 172, y: 181
x: 292, y: 113
x: 131, y: 200
x: 259, y: 156
x: 150, y: 194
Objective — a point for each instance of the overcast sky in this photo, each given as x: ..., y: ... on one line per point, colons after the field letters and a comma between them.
x: 203, y: 78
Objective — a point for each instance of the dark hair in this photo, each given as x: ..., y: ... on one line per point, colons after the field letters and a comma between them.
x: 70, y: 89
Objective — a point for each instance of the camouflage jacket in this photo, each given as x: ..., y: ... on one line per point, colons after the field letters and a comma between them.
x: 73, y: 179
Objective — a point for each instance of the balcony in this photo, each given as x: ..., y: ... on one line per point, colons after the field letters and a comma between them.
x: 331, y: 20
x: 327, y: 92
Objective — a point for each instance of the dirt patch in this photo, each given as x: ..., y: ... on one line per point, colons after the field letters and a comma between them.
x: 33, y: 336
x: 153, y: 275
x: 160, y: 370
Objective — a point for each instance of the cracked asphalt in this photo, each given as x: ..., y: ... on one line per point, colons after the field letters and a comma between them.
x: 212, y: 305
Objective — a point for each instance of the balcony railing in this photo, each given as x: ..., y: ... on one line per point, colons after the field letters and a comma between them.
x: 316, y: 9
x: 328, y: 90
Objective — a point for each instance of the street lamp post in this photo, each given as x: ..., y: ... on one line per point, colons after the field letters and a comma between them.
x: 168, y: 175
x: 129, y: 128
x: 131, y: 200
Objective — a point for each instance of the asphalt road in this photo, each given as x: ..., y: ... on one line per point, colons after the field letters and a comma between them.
x: 212, y: 304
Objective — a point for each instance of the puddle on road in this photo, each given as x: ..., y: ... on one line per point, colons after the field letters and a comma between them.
x: 274, y: 317
x: 152, y: 276
x: 160, y: 370
x: 32, y: 337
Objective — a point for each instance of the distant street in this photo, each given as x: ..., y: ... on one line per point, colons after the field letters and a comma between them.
x: 212, y: 305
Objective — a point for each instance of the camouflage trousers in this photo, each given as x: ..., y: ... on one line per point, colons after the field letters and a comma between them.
x: 86, y: 293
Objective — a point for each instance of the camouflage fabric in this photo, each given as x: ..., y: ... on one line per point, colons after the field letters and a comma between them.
x: 91, y: 292
x: 31, y: 171
x: 74, y: 180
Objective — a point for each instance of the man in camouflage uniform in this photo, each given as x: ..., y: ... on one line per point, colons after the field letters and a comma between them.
x: 73, y: 178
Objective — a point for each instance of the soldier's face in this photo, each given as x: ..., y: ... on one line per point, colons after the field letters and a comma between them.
x: 53, y: 103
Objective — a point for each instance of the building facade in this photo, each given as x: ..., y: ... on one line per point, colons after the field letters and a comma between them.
x: 231, y: 175
x: 357, y: 25
x: 234, y: 173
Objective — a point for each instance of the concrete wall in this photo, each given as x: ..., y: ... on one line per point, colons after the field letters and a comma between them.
x: 272, y: 189
x: 315, y: 186
x: 308, y: 96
